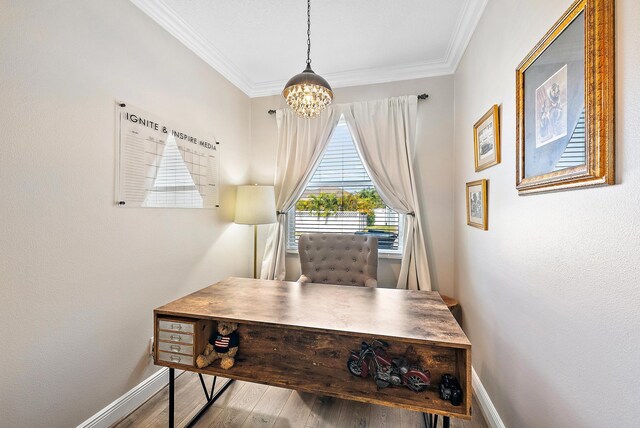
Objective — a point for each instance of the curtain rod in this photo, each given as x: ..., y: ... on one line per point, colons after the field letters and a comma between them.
x: 420, y: 97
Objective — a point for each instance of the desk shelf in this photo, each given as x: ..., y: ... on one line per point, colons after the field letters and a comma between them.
x: 317, y: 362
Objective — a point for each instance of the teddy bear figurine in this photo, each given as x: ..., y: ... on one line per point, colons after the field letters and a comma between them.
x: 223, y: 345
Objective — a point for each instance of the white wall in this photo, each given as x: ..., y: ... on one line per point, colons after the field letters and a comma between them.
x: 550, y: 292
x: 433, y: 166
x: 80, y: 276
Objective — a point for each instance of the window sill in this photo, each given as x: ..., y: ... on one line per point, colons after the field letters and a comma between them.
x: 389, y: 255
x: 382, y: 254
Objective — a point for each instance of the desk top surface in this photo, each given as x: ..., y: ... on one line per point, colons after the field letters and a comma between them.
x: 404, y: 315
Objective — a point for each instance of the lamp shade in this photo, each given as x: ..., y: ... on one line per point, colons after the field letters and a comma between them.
x: 255, y: 205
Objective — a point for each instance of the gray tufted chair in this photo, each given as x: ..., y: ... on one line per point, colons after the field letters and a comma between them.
x: 342, y: 259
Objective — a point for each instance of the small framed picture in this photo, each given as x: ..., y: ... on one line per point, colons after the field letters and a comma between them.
x: 486, y: 139
x: 477, y: 209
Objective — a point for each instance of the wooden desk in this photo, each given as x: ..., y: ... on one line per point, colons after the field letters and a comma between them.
x: 299, y: 336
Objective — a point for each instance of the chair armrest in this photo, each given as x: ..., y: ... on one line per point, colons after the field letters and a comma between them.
x: 304, y: 279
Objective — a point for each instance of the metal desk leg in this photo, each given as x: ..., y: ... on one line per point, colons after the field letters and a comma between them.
x: 431, y: 421
x: 211, y: 398
x: 172, y: 382
x: 428, y: 420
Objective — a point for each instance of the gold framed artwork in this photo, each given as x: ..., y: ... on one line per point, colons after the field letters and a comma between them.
x: 486, y: 139
x: 477, y: 207
x: 565, y: 111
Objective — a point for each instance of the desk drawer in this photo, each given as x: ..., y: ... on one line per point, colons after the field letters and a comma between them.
x: 176, y: 348
x: 181, y: 327
x: 175, y: 358
x: 175, y: 337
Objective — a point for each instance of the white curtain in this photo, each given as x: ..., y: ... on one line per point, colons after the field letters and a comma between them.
x: 384, y: 133
x: 301, y: 143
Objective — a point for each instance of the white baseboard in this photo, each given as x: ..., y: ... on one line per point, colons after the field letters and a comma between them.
x: 130, y: 401
x: 486, y: 406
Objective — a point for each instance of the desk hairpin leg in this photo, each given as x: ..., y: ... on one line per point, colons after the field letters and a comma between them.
x: 431, y: 421
x: 211, y: 397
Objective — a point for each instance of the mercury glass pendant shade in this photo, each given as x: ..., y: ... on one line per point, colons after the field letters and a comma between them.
x: 307, y: 93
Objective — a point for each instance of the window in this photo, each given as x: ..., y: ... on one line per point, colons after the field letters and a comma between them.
x: 341, y: 198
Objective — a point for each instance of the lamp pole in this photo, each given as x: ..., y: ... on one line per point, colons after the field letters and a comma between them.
x: 255, y: 251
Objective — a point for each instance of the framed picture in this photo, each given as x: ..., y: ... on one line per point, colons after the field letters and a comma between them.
x: 486, y: 140
x: 565, y: 103
x: 477, y: 208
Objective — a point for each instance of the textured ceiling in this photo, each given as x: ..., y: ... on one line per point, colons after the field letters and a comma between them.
x: 259, y: 44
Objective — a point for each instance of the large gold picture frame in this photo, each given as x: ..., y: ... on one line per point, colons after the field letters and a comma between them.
x: 543, y: 99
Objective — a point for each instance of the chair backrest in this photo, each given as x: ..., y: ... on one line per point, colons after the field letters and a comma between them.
x: 342, y: 259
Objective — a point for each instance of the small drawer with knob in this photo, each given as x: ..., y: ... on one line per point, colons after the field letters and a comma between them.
x: 175, y: 347
x: 169, y: 336
x: 180, y: 327
x: 169, y: 357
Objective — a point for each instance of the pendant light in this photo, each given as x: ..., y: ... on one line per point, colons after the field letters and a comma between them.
x: 307, y: 93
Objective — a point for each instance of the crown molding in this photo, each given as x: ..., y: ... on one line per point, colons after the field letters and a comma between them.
x: 465, y: 28
x: 168, y: 19
x: 367, y: 76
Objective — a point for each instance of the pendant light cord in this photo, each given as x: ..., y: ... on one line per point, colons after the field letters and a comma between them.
x: 309, y: 32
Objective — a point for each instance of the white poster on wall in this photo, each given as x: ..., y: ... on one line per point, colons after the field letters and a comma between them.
x: 164, y: 165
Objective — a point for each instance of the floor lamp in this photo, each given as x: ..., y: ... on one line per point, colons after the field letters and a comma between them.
x: 255, y: 205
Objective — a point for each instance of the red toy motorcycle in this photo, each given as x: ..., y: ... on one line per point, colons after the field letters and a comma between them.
x: 372, y: 359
